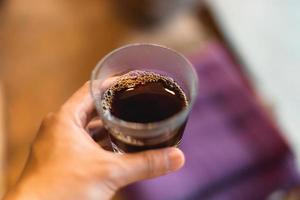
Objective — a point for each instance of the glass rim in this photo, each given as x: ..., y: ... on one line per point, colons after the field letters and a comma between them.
x: 174, y: 119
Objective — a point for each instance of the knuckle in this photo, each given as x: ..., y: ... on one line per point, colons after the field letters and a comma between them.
x: 63, y: 109
x: 87, y: 83
x: 49, y: 116
x: 115, y: 174
x: 149, y: 160
x: 50, y: 119
x: 47, y: 119
x: 110, y: 171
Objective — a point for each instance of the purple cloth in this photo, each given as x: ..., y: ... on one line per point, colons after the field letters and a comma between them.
x: 232, y: 148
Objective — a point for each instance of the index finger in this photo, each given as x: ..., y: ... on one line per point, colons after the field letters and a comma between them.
x: 80, y: 105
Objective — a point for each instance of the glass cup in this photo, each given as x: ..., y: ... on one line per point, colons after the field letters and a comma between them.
x: 128, y: 136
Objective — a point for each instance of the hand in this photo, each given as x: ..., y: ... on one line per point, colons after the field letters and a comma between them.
x: 65, y: 163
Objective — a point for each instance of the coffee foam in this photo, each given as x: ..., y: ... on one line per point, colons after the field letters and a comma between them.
x: 135, y: 78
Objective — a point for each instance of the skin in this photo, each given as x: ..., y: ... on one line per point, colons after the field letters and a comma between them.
x: 65, y: 162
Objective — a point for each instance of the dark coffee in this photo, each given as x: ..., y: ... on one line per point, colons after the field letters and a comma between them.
x: 144, y: 97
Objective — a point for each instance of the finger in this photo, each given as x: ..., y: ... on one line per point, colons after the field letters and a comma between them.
x: 80, y: 105
x: 99, y: 134
x: 94, y: 125
x: 150, y: 164
x: 108, y: 82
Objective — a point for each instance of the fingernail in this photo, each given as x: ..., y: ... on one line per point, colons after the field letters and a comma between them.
x: 176, y: 158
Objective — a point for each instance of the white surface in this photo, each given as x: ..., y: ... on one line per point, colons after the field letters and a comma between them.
x: 266, y: 35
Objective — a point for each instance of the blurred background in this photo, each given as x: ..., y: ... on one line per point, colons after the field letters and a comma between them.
x: 49, y: 48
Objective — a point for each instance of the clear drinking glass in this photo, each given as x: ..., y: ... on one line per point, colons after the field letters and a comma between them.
x: 131, y: 136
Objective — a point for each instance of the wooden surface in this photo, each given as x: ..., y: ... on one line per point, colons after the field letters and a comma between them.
x: 48, y: 49
x: 2, y: 140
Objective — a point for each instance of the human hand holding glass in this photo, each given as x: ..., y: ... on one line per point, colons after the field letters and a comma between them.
x: 66, y: 163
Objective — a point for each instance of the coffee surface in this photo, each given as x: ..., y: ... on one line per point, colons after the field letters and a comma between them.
x: 144, y: 97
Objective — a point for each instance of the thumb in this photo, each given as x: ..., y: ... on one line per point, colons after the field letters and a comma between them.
x: 150, y: 164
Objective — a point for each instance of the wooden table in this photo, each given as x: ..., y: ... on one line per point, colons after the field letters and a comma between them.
x: 2, y: 140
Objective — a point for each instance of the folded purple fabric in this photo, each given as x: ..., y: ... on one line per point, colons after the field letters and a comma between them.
x: 233, y: 150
